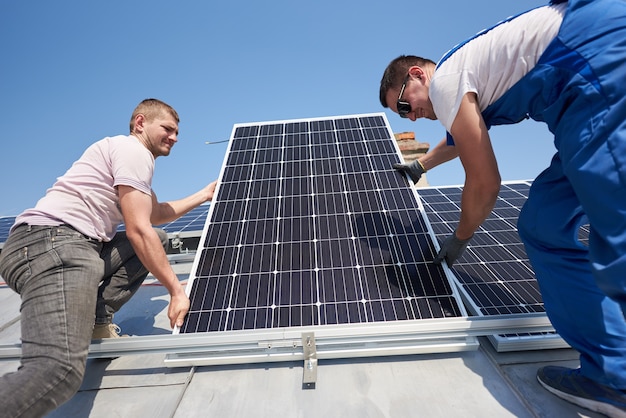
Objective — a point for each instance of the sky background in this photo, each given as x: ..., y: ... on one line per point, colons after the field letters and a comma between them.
x: 73, y: 71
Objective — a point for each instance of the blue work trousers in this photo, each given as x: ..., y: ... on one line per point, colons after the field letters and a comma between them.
x: 584, y: 287
x: 63, y: 278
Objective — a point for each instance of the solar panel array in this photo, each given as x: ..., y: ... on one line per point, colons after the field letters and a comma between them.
x: 494, y: 270
x: 311, y: 226
x: 6, y: 222
x: 191, y: 223
x: 494, y: 274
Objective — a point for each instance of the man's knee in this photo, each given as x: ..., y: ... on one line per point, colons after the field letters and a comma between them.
x: 73, y: 381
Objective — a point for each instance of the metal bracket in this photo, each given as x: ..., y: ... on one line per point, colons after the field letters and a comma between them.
x: 309, y: 374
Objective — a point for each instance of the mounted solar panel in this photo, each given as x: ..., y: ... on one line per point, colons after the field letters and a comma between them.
x: 184, y: 233
x: 494, y: 274
x: 313, y: 231
x: 6, y: 222
x: 190, y: 224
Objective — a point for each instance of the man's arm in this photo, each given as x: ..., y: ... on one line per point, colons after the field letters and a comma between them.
x: 137, y: 209
x: 482, y: 178
x: 169, y: 211
x: 438, y: 155
x: 442, y: 153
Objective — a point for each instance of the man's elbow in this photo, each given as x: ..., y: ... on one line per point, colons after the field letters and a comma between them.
x: 492, y: 188
x: 137, y: 233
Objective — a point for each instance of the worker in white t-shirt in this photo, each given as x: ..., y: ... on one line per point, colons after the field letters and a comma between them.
x: 74, y: 270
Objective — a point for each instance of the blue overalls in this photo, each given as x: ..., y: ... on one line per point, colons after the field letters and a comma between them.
x: 579, y: 89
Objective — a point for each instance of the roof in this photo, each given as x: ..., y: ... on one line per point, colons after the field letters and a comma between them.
x: 475, y: 383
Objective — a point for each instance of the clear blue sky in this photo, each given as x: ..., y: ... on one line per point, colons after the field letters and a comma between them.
x: 73, y: 71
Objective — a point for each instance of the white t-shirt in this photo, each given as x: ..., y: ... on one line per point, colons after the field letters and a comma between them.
x: 86, y: 197
x: 493, y: 61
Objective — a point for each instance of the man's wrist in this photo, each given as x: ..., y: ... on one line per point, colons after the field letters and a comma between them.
x: 462, y: 237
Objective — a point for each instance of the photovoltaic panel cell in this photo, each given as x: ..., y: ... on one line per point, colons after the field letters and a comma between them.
x: 312, y: 226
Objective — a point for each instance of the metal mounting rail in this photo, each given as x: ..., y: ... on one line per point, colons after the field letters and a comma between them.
x: 327, y: 338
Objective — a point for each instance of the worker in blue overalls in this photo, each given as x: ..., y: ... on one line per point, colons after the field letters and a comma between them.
x: 563, y: 64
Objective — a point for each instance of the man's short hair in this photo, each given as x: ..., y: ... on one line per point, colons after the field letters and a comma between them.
x: 151, y: 109
x: 396, y: 71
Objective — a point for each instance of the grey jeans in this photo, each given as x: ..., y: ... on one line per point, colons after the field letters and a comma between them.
x: 67, y: 282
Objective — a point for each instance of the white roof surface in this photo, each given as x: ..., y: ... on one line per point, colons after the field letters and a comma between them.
x: 481, y: 383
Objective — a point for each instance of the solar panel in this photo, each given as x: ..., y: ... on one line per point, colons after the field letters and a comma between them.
x: 312, y: 227
x: 494, y: 274
x: 6, y: 222
x: 190, y: 224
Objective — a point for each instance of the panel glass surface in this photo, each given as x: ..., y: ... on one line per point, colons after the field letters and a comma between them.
x: 6, y: 222
x: 191, y: 222
x: 494, y: 273
x: 312, y: 226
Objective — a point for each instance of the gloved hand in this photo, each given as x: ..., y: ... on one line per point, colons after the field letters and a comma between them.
x: 451, y: 249
x: 414, y: 170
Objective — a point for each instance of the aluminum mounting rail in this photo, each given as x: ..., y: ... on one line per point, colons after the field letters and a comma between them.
x: 268, y: 341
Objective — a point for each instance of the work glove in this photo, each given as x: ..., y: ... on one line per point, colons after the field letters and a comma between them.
x: 414, y: 169
x: 451, y: 249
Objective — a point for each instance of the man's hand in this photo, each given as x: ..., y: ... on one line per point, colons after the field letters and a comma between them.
x: 451, y: 249
x: 210, y: 190
x: 414, y: 170
x: 179, y: 306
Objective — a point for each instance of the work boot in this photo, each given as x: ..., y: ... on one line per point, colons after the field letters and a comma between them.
x: 570, y: 385
x: 101, y: 331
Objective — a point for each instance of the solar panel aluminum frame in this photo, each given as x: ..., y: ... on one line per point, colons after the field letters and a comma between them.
x: 369, y: 343
x: 501, y: 342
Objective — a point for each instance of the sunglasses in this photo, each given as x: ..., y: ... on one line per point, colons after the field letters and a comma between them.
x: 404, y: 108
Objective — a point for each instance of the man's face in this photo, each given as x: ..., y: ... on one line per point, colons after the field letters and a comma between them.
x: 161, y: 134
x: 415, y: 93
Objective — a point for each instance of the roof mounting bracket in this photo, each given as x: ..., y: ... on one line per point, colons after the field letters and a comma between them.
x: 309, y: 374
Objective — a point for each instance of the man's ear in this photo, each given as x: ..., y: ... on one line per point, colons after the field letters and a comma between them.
x: 416, y: 72
x: 140, y: 122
